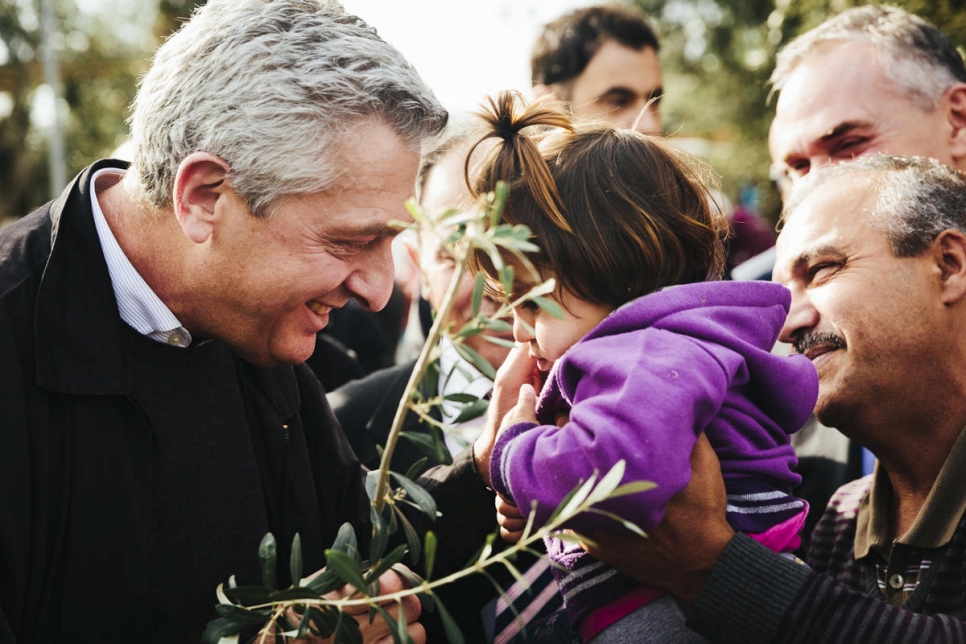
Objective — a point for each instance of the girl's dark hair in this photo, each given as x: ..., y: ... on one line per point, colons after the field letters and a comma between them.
x: 617, y: 214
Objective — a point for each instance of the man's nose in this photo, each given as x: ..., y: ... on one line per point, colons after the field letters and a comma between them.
x: 648, y: 119
x: 371, y: 282
x: 801, y: 317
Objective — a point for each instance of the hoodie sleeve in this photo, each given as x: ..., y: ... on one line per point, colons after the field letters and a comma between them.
x: 643, y: 397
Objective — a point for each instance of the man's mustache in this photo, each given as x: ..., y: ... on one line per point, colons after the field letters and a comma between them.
x: 809, y: 340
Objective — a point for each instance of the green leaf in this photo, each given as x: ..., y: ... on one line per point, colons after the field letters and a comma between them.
x: 417, y: 495
x: 549, y: 306
x: 608, y: 483
x: 509, y: 344
x: 499, y: 201
x: 477, y: 409
x: 429, y: 548
x: 477, y: 300
x: 266, y: 557
x: 415, y: 549
x: 372, y: 478
x: 453, y: 633
x: 417, y: 468
x: 476, y: 360
x: 304, y: 625
x: 324, y: 618
x: 573, y: 499
x: 346, y: 567
x: 407, y: 573
x: 325, y: 582
x: 346, y: 541
x: 400, y: 634
x: 461, y: 398
x: 632, y: 488
x: 516, y: 573
x: 380, y: 533
x: 219, y: 628
x: 387, y: 562
x: 506, y: 278
x: 292, y: 594
x: 248, y: 595
x: 295, y: 560
x: 347, y: 630
x: 498, y: 325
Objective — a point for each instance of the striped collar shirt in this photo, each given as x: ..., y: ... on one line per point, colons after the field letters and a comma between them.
x: 138, y: 305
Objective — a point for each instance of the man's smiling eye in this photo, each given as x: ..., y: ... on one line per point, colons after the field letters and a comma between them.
x: 848, y: 147
x: 822, y: 270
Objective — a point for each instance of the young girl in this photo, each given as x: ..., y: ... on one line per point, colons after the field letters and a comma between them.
x: 650, y: 353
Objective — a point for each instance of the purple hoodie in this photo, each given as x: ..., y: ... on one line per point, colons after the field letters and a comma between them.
x: 642, y: 386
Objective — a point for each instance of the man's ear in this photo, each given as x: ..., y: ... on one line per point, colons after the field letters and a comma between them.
x: 950, y: 248
x: 957, y: 121
x: 198, y: 185
x: 415, y: 260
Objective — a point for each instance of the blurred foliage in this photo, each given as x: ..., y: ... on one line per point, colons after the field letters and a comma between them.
x: 717, y: 56
x: 102, y: 54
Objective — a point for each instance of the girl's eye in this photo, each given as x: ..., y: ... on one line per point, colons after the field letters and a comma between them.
x: 529, y: 305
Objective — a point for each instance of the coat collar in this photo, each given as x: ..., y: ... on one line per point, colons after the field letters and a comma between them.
x: 76, y: 320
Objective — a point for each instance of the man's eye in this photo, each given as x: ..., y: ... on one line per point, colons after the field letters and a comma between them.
x: 797, y: 168
x: 822, y: 271
x: 849, y: 147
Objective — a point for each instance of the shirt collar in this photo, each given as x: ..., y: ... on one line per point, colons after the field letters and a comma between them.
x: 138, y: 305
x: 459, y: 376
x: 937, y: 520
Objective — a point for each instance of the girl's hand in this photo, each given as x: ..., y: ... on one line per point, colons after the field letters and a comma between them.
x: 511, y: 520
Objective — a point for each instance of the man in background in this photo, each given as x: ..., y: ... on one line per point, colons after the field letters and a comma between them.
x: 601, y: 62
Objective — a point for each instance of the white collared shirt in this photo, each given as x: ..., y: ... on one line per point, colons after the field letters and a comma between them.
x: 137, y: 304
x: 463, y: 378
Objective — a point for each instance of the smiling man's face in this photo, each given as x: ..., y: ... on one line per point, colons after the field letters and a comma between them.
x: 840, y: 104
x: 865, y: 317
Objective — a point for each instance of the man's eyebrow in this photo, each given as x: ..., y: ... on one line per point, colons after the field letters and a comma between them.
x: 841, y: 129
x: 612, y: 92
x: 807, y: 256
x: 376, y: 229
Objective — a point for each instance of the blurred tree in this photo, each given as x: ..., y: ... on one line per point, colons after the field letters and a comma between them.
x: 103, y: 48
x: 717, y: 56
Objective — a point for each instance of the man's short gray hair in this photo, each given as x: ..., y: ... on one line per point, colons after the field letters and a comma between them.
x: 272, y: 87
x: 916, y: 198
x: 916, y: 55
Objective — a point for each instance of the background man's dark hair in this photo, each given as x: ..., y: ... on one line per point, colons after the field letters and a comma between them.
x: 567, y: 44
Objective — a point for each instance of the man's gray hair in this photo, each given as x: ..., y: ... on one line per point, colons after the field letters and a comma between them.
x: 916, y: 55
x: 916, y: 198
x: 272, y: 87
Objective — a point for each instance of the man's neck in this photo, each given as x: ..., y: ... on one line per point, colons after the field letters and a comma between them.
x: 146, y: 236
x: 912, y: 469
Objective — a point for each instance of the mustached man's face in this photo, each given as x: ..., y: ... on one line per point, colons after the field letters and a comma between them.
x: 865, y: 318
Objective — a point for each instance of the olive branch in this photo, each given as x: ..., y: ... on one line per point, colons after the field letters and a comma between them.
x: 305, y: 609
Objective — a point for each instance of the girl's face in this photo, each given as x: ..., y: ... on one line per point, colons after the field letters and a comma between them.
x: 550, y: 336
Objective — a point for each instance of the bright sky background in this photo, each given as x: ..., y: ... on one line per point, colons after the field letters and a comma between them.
x: 464, y: 50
